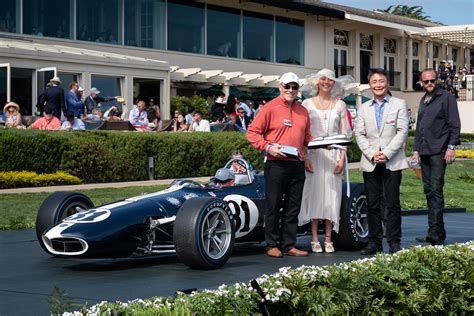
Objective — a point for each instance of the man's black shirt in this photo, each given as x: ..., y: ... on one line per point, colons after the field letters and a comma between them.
x: 438, y: 124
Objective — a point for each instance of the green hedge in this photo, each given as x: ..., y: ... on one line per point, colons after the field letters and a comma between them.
x: 465, y: 137
x: 109, y: 156
x: 20, y: 179
x: 418, y: 281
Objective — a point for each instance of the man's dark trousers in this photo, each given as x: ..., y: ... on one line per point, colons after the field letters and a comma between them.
x: 283, y: 179
x: 383, y: 184
x: 433, y: 168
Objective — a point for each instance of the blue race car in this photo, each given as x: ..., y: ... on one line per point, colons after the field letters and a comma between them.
x: 199, y: 223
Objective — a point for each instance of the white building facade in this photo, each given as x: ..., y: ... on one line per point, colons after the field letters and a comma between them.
x: 156, y: 49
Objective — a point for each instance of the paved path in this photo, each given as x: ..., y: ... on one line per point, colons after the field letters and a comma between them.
x: 28, y: 274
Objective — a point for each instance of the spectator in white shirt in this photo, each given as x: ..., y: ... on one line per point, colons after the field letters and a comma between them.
x: 199, y: 124
x: 138, y: 116
x: 72, y: 123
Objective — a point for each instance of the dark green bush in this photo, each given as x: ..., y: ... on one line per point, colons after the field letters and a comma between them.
x: 109, y: 156
x: 99, y: 156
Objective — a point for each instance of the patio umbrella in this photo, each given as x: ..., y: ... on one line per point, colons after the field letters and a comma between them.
x: 216, y: 89
x: 266, y: 94
x: 351, y: 99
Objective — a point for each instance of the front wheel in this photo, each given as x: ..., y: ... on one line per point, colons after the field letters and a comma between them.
x: 204, y: 233
x: 353, y: 226
x: 57, y: 207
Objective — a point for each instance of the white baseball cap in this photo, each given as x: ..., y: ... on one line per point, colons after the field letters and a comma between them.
x: 290, y: 77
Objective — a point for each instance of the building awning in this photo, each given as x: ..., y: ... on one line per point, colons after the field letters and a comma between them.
x: 458, y: 33
x: 25, y: 48
x: 304, y: 7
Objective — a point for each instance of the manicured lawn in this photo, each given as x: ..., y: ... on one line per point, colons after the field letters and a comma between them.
x: 458, y: 187
x: 19, y: 210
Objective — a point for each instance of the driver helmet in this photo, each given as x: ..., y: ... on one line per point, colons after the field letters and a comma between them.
x: 223, y: 175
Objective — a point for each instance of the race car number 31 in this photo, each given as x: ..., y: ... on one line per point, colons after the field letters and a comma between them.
x: 245, y: 213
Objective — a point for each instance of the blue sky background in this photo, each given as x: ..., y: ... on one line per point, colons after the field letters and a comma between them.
x: 453, y: 12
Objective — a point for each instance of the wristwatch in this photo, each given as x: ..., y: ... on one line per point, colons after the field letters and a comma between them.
x: 452, y: 147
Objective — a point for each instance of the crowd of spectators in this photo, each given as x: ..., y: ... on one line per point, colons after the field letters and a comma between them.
x: 75, y: 111
x: 450, y: 78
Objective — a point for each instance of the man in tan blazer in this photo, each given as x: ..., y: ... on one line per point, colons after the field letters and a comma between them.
x: 381, y: 131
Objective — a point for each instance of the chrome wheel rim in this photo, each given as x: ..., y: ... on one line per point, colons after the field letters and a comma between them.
x: 216, y: 233
x: 72, y: 209
x: 361, y: 224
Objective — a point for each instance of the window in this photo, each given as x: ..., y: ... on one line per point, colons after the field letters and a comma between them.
x: 223, y: 32
x: 416, y: 47
x: 145, y: 23
x: 435, y: 51
x: 108, y: 86
x: 185, y: 27
x: 67, y: 79
x: 8, y: 16
x: 341, y: 38
x: 340, y: 62
x: 47, y: 18
x: 289, y: 41
x: 258, y: 36
x: 454, y: 54
x: 366, y: 41
x: 390, y: 46
x: 4, y: 84
x: 99, y: 21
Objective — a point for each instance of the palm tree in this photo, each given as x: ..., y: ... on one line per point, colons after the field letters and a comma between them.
x: 415, y: 12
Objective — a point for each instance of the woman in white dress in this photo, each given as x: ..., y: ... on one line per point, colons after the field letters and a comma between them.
x: 323, y: 185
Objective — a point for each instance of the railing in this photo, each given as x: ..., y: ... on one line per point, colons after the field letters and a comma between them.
x: 469, y: 87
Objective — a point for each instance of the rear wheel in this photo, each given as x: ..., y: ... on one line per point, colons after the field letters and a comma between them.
x: 353, y: 226
x: 57, y: 207
x: 204, y: 233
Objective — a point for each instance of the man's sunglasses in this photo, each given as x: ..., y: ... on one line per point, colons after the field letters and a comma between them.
x: 429, y: 81
x: 290, y: 86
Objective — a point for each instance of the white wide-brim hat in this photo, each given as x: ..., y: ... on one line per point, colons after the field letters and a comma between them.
x: 340, y: 84
x: 56, y: 79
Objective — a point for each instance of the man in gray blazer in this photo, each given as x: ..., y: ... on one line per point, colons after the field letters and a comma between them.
x: 381, y: 131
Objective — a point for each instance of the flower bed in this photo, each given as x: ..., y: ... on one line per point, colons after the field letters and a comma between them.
x: 420, y: 280
x: 465, y: 153
x: 20, y: 179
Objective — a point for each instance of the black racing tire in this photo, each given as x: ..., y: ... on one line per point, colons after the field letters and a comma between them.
x: 204, y: 233
x: 353, y: 225
x: 55, y: 208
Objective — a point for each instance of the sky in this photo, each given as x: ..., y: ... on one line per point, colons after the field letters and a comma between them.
x: 452, y: 12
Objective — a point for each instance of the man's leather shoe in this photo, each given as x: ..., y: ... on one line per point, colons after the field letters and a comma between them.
x: 435, y: 242
x: 393, y: 248
x: 423, y: 239
x: 274, y: 252
x: 296, y: 253
x: 371, y: 249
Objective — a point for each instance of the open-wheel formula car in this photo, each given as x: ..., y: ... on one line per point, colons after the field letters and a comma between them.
x: 199, y: 223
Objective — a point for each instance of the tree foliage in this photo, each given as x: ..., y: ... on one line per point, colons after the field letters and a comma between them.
x: 414, y: 12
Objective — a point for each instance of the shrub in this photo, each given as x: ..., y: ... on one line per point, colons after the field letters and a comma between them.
x: 421, y: 280
x: 184, y: 104
x: 19, y: 179
x: 465, y: 153
x: 108, y: 156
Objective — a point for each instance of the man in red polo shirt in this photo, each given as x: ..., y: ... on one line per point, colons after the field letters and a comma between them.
x: 281, y: 123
